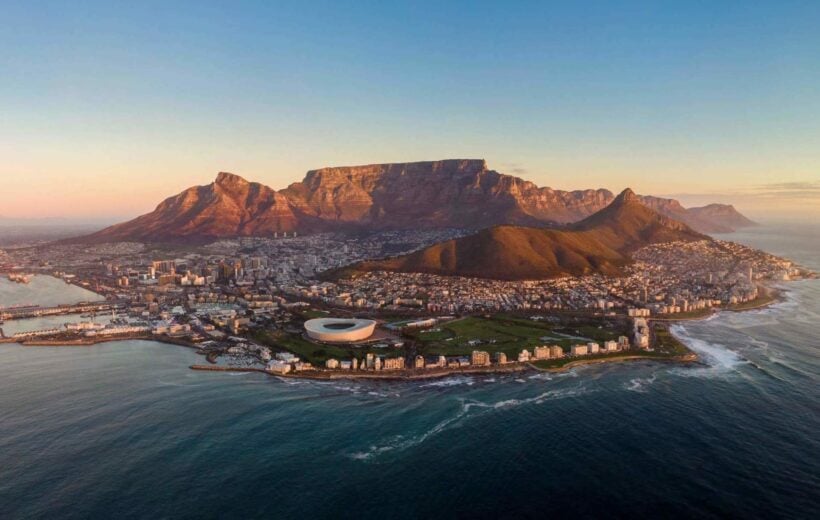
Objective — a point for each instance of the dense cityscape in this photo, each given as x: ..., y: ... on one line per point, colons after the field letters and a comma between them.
x: 242, y: 302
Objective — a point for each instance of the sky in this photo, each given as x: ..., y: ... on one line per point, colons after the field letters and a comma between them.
x: 106, y: 108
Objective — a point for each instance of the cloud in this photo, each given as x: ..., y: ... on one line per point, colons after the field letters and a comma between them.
x: 803, y: 190
x: 808, y: 186
x: 514, y: 168
x: 787, y: 190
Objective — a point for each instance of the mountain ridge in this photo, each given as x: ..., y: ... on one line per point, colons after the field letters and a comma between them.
x: 419, y: 195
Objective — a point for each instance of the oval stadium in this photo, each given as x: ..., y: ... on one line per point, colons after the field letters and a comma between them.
x: 339, y: 330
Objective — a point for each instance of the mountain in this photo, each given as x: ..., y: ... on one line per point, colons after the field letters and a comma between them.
x: 229, y: 206
x: 724, y: 215
x: 431, y: 194
x: 600, y: 243
x: 449, y: 193
x: 714, y: 218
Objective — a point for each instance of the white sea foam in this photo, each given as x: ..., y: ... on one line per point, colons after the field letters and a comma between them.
x: 541, y: 376
x: 449, y: 381
x: 720, y: 360
x: 469, y: 409
x: 640, y: 384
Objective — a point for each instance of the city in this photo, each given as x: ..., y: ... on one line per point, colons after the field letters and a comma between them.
x: 242, y: 302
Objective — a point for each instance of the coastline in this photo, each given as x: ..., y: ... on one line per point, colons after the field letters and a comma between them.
x: 87, y: 342
x: 398, y: 375
x: 688, y: 358
x: 772, y: 296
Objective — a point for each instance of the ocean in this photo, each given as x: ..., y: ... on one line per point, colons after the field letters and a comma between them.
x: 126, y: 430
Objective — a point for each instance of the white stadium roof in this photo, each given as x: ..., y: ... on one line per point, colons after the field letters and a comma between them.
x: 339, y: 330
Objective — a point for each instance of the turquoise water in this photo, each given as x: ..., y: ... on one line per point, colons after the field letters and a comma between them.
x: 125, y: 430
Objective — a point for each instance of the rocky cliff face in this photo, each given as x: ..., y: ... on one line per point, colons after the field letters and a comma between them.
x: 229, y: 206
x: 451, y: 193
x: 432, y: 194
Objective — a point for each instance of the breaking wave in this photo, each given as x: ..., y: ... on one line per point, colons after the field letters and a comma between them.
x: 449, y: 381
x: 720, y: 360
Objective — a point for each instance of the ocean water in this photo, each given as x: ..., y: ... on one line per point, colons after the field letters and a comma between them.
x: 43, y: 290
x: 125, y: 430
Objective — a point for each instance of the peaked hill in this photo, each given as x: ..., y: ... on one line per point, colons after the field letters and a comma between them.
x: 600, y: 243
x: 229, y: 206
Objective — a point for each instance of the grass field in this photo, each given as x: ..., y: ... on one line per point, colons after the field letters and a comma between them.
x: 510, y: 334
x: 295, y: 344
x: 315, y: 313
x: 666, y: 344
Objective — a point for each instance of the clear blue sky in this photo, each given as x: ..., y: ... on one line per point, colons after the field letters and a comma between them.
x: 107, y: 109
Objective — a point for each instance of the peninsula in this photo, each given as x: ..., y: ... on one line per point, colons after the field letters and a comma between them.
x: 389, y: 272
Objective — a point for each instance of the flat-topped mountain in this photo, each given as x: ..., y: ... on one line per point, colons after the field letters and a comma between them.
x: 600, y: 243
x: 449, y: 193
x: 419, y: 195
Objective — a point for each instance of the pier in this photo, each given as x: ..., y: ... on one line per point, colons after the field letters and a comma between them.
x: 34, y: 311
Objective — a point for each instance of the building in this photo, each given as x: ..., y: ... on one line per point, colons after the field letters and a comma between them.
x: 338, y: 330
x: 611, y: 346
x: 480, y: 358
x: 419, y: 362
x: 332, y: 364
x: 279, y: 367
x: 541, y: 352
x: 579, y: 350
x: 556, y: 352
x: 524, y: 356
x: 421, y: 324
x: 594, y: 348
x: 501, y: 358
x: 396, y: 363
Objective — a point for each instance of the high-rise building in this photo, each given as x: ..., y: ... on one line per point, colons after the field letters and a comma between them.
x: 542, y: 352
x: 396, y: 363
x: 480, y: 358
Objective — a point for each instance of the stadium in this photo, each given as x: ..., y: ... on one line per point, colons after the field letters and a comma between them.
x: 339, y: 330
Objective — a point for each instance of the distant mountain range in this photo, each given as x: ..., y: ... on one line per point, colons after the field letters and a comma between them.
x: 421, y: 195
x: 601, y: 243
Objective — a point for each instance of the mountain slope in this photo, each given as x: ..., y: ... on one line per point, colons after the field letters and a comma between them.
x: 229, y: 206
x: 600, y: 243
